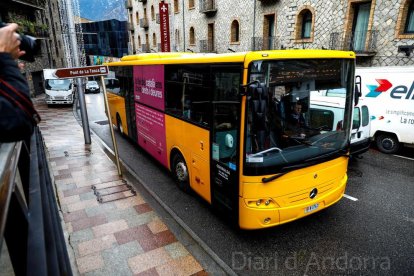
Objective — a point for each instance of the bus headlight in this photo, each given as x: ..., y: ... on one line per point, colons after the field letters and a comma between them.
x: 267, y: 203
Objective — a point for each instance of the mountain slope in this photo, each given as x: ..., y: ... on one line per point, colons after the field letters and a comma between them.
x: 99, y: 10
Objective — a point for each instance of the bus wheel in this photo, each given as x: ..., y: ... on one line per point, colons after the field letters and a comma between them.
x: 119, y: 124
x: 387, y: 143
x: 180, y: 171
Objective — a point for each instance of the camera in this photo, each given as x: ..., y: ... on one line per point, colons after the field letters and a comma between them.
x: 29, y: 44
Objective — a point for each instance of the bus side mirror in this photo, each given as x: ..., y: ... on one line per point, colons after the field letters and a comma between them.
x: 357, y: 94
x: 245, y: 89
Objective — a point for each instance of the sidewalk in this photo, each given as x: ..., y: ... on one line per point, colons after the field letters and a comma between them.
x: 123, y: 236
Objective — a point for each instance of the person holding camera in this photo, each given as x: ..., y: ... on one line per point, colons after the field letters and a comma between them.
x: 18, y: 116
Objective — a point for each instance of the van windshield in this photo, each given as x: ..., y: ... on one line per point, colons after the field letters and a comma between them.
x: 297, y: 110
x: 65, y: 84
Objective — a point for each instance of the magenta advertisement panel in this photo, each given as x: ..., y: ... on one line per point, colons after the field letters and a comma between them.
x: 149, y: 85
x: 151, y: 132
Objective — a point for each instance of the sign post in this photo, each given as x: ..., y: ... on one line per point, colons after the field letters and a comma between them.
x: 164, y: 27
x: 88, y: 71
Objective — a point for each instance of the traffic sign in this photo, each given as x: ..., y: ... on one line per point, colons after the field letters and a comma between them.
x: 66, y: 73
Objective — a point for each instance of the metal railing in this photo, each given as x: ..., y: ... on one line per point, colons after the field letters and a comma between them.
x: 145, y: 48
x: 29, y: 219
x: 143, y: 23
x: 360, y: 42
x: 206, y: 46
x: 265, y: 43
x: 128, y: 4
x: 207, y: 6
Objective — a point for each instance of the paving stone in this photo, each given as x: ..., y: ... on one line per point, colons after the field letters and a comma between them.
x: 110, y: 228
x: 96, y: 245
x: 176, y: 250
x: 116, y: 259
x: 100, y: 209
x: 89, y: 263
x: 149, y: 260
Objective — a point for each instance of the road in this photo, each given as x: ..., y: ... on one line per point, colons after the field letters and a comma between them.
x: 369, y: 232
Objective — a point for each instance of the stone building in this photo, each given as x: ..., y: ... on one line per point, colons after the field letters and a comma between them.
x: 40, y: 19
x: 381, y: 32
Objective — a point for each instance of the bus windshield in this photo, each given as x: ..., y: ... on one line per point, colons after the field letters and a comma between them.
x: 283, y: 127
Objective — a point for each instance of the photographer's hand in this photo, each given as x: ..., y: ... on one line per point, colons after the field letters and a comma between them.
x: 9, y: 41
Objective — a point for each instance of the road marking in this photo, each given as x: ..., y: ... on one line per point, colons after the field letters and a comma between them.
x: 404, y: 157
x: 350, y: 197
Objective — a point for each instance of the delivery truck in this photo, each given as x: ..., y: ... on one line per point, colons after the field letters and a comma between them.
x: 58, y: 91
x: 389, y: 94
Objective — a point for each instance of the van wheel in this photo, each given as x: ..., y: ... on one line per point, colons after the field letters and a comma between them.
x: 119, y: 124
x: 387, y: 143
x: 180, y: 172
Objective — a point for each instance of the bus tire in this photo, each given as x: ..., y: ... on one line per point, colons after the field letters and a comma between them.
x: 180, y: 172
x: 119, y: 124
x: 387, y: 143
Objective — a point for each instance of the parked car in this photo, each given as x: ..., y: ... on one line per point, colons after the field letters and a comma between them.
x: 92, y: 86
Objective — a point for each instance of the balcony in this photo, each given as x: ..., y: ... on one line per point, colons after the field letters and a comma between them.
x: 362, y: 43
x: 128, y: 4
x: 130, y: 27
x: 265, y: 43
x: 206, y: 46
x: 142, y: 1
x: 143, y: 23
x: 145, y: 48
x: 208, y: 7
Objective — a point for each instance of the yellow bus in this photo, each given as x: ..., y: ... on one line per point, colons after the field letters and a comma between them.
x: 225, y: 126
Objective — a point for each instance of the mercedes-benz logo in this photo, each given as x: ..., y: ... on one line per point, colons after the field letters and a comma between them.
x: 313, y: 193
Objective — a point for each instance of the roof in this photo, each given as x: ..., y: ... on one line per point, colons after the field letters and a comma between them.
x: 241, y: 57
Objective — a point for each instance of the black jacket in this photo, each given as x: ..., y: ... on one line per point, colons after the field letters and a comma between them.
x: 17, y: 114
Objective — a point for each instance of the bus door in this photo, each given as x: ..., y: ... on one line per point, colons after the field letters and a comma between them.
x: 225, y: 136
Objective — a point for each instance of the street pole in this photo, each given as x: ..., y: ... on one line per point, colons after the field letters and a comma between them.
x: 75, y: 55
x: 183, y: 29
x: 254, y: 26
x: 110, y: 125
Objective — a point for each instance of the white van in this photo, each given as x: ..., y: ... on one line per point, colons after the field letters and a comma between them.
x: 389, y: 94
x: 58, y: 91
x: 326, y: 111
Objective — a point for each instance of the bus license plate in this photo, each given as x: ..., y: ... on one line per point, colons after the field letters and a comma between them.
x: 311, y: 208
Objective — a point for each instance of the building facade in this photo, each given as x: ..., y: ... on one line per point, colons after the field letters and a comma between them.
x: 105, y: 38
x: 40, y: 19
x: 381, y: 32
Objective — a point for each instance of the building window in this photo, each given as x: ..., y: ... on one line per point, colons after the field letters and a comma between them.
x: 176, y: 6
x: 139, y: 41
x: 154, y: 40
x: 235, y: 31
x: 152, y: 13
x: 137, y: 18
x: 405, y: 21
x: 191, y: 4
x: 192, y: 36
x: 306, y: 24
x: 409, y: 22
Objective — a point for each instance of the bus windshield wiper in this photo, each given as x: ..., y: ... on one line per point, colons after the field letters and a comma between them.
x: 285, y: 170
x: 301, y: 141
x: 342, y: 152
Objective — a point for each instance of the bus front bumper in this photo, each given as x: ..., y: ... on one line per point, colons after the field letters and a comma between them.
x: 257, y: 218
